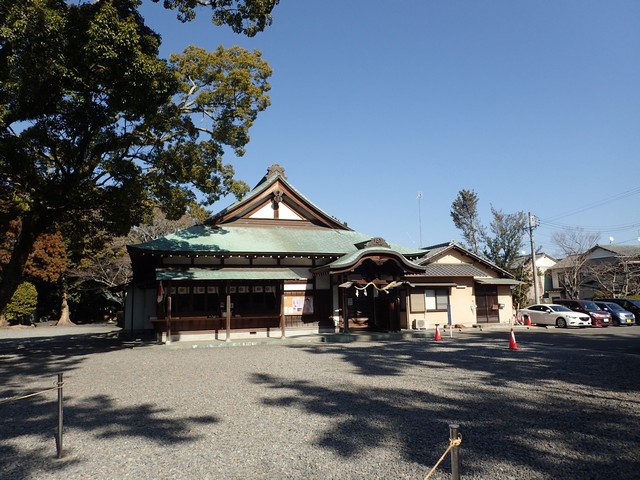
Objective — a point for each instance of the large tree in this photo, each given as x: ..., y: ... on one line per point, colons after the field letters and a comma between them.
x: 464, y: 212
x: 96, y: 129
x: 503, y: 245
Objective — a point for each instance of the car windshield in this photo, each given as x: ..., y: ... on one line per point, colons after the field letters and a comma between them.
x: 614, y: 307
x: 590, y: 306
x: 559, y: 308
x: 636, y: 303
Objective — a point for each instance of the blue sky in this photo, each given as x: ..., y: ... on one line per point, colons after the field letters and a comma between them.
x: 534, y: 105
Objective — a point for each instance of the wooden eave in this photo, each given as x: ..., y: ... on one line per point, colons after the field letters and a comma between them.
x: 379, y: 258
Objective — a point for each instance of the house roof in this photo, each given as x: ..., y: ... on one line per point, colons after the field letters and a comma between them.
x: 229, y: 274
x: 567, y: 262
x: 252, y: 225
x: 203, y: 239
x: 525, y: 259
x: 453, y: 270
x: 436, y: 252
x: 274, y: 188
x: 620, y: 250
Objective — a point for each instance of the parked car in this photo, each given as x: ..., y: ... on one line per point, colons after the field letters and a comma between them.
x: 619, y: 316
x: 554, y: 314
x: 630, y: 304
x: 599, y: 318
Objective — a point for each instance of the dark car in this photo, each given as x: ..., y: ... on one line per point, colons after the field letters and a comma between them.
x: 630, y: 304
x: 599, y: 318
x: 619, y: 316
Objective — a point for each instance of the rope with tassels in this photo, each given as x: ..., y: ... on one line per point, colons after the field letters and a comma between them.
x: 380, y: 289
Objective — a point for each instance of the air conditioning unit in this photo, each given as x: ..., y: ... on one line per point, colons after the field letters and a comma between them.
x: 420, y: 324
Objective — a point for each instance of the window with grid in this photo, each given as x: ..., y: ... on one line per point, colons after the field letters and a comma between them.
x: 436, y: 298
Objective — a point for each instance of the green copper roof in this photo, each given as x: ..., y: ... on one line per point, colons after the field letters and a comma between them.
x: 356, y: 254
x: 261, y: 239
x: 229, y: 274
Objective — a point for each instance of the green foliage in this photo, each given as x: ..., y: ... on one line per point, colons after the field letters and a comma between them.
x: 243, y: 16
x: 23, y: 303
x: 503, y: 246
x: 464, y: 212
x: 520, y: 293
x: 96, y: 130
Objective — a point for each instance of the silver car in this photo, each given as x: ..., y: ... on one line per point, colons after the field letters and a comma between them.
x: 558, y: 315
x: 619, y: 315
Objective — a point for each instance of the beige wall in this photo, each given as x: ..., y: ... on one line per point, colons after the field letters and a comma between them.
x: 462, y: 304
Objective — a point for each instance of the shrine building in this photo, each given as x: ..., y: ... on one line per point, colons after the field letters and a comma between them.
x: 275, y: 264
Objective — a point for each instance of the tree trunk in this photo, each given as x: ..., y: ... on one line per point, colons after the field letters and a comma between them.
x: 65, y: 318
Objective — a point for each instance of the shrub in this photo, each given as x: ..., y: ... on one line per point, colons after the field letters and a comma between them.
x: 23, y: 303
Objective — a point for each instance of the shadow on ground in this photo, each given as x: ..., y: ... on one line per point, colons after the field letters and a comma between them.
x: 575, y: 426
x: 36, y: 363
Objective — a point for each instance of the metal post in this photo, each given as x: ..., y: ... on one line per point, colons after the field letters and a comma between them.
x: 59, y: 443
x: 455, y: 458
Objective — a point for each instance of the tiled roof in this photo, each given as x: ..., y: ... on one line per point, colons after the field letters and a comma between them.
x: 261, y: 239
x: 567, y: 262
x: 433, y: 251
x: 521, y: 260
x: 453, y: 270
x: 436, y: 251
x: 621, y: 250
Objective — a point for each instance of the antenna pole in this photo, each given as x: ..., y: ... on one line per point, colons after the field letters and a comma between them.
x: 420, y: 217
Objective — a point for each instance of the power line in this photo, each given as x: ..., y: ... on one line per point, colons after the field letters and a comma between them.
x: 593, y: 228
x: 599, y: 203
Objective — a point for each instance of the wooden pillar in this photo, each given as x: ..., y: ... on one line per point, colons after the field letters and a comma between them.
x: 228, y: 315
x: 345, y: 312
x: 407, y: 302
x: 282, y: 322
x: 396, y: 316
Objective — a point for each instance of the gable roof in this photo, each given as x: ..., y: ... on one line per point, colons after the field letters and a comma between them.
x: 569, y: 261
x: 526, y: 259
x: 619, y: 250
x: 435, y: 252
x: 251, y: 226
x: 272, y: 193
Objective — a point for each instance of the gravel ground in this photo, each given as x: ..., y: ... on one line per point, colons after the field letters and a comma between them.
x: 363, y: 410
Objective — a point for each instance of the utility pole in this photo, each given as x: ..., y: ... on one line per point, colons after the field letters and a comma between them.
x: 533, y: 222
x: 420, y: 217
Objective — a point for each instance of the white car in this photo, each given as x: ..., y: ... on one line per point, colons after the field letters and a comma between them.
x: 558, y: 315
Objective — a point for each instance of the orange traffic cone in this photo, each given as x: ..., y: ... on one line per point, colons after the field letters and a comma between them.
x: 437, y: 338
x: 512, y: 341
x: 527, y: 321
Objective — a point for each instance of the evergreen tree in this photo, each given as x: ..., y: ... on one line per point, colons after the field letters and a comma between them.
x: 96, y: 129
